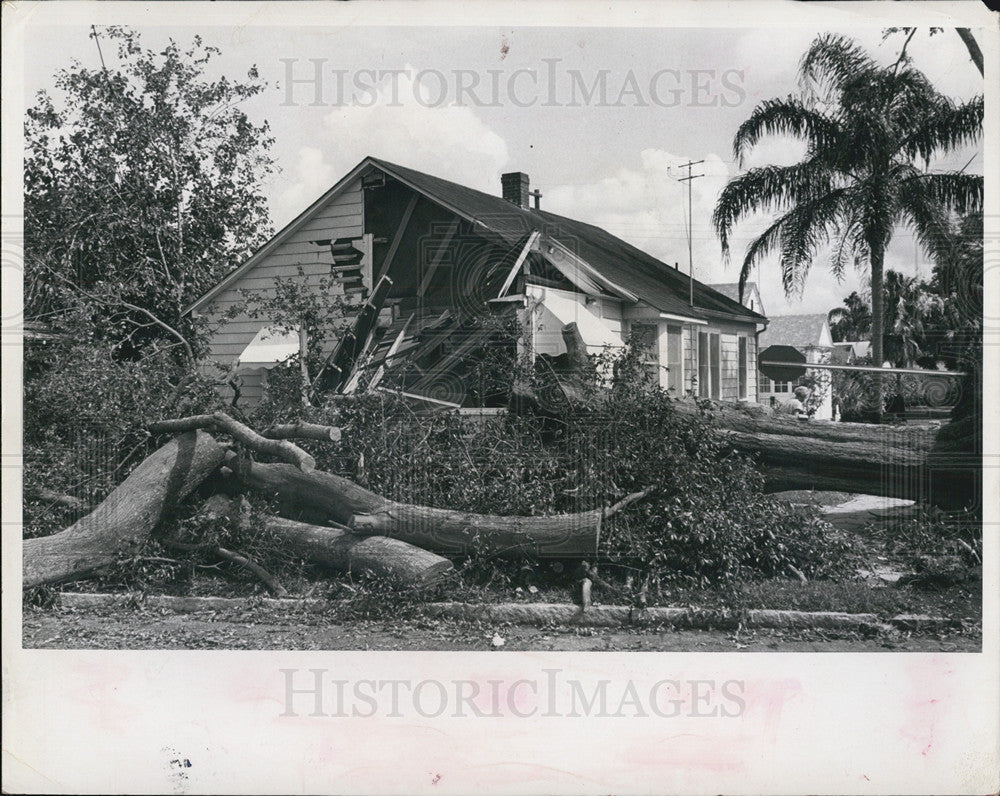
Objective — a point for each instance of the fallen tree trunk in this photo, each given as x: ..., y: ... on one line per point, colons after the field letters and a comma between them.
x: 342, y: 551
x: 128, y: 515
x: 337, y: 548
x: 938, y: 465
x: 324, y: 497
x: 942, y: 465
x: 556, y: 536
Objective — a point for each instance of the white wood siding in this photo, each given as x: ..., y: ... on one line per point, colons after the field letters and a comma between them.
x: 341, y: 217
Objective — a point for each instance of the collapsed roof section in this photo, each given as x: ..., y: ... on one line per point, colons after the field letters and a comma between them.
x: 444, y: 264
x: 621, y: 268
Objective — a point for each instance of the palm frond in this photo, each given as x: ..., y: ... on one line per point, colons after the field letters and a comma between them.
x: 797, y: 235
x: 832, y: 61
x: 956, y: 191
x: 849, y: 246
x: 949, y: 126
x: 786, y: 117
x: 767, y: 189
x: 806, y: 230
x: 931, y: 222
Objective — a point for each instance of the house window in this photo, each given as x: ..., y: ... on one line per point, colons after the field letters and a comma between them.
x: 675, y: 360
x: 644, y: 338
x: 766, y: 385
x: 709, y: 365
x: 742, y: 365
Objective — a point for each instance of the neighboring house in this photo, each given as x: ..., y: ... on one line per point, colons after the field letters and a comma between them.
x: 751, y: 295
x: 810, y: 334
x: 849, y: 353
x: 421, y: 258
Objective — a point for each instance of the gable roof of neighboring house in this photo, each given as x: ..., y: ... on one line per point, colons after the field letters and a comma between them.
x: 798, y: 331
x: 731, y: 290
x: 635, y: 272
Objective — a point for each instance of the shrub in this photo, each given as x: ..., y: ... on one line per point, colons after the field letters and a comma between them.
x: 707, y: 520
x: 85, y: 414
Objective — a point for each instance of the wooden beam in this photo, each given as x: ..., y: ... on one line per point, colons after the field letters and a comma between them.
x: 450, y: 404
x: 438, y: 256
x: 580, y: 273
x: 367, y: 324
x: 354, y: 340
x: 532, y: 238
x: 377, y: 377
x: 397, y: 238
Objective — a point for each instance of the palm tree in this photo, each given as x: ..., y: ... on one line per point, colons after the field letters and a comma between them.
x: 852, y: 322
x: 907, y: 306
x: 871, y: 133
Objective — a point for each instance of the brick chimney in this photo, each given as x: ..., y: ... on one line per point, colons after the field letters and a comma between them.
x: 515, y: 188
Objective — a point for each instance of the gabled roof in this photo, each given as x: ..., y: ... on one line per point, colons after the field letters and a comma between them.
x: 857, y: 349
x: 798, y: 331
x: 731, y: 290
x: 654, y: 282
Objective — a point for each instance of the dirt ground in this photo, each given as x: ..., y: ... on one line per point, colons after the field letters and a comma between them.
x: 262, y: 629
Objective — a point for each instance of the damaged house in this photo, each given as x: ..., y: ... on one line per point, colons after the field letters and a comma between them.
x: 421, y: 262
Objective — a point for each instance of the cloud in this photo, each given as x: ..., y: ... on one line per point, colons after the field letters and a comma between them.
x: 646, y: 205
x: 447, y: 141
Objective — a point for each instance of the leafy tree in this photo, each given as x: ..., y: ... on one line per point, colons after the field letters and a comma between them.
x: 871, y: 133
x: 957, y: 278
x: 853, y: 321
x: 142, y: 189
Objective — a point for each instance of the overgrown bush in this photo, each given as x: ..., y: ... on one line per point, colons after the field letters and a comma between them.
x: 85, y: 413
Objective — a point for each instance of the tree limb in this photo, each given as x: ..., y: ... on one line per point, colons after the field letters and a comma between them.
x: 44, y: 495
x: 973, y: 47
x: 626, y: 501
x: 279, y: 448
x: 262, y: 574
x: 303, y: 431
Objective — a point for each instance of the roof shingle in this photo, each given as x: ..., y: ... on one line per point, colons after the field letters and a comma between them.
x: 797, y: 331
x: 655, y: 282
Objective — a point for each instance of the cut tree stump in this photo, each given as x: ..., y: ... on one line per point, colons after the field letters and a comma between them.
x: 127, y: 516
x: 323, y: 497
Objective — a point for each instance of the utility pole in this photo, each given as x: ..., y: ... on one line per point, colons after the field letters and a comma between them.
x: 690, y: 177
x: 97, y: 41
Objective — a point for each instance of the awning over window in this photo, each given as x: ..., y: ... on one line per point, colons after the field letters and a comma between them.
x: 560, y: 308
x: 269, y: 347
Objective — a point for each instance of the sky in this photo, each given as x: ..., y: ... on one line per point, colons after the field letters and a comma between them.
x: 601, y: 119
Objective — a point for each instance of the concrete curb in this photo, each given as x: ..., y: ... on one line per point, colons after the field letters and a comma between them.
x: 619, y: 616
x: 544, y: 614
x: 921, y: 623
x: 183, y: 605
